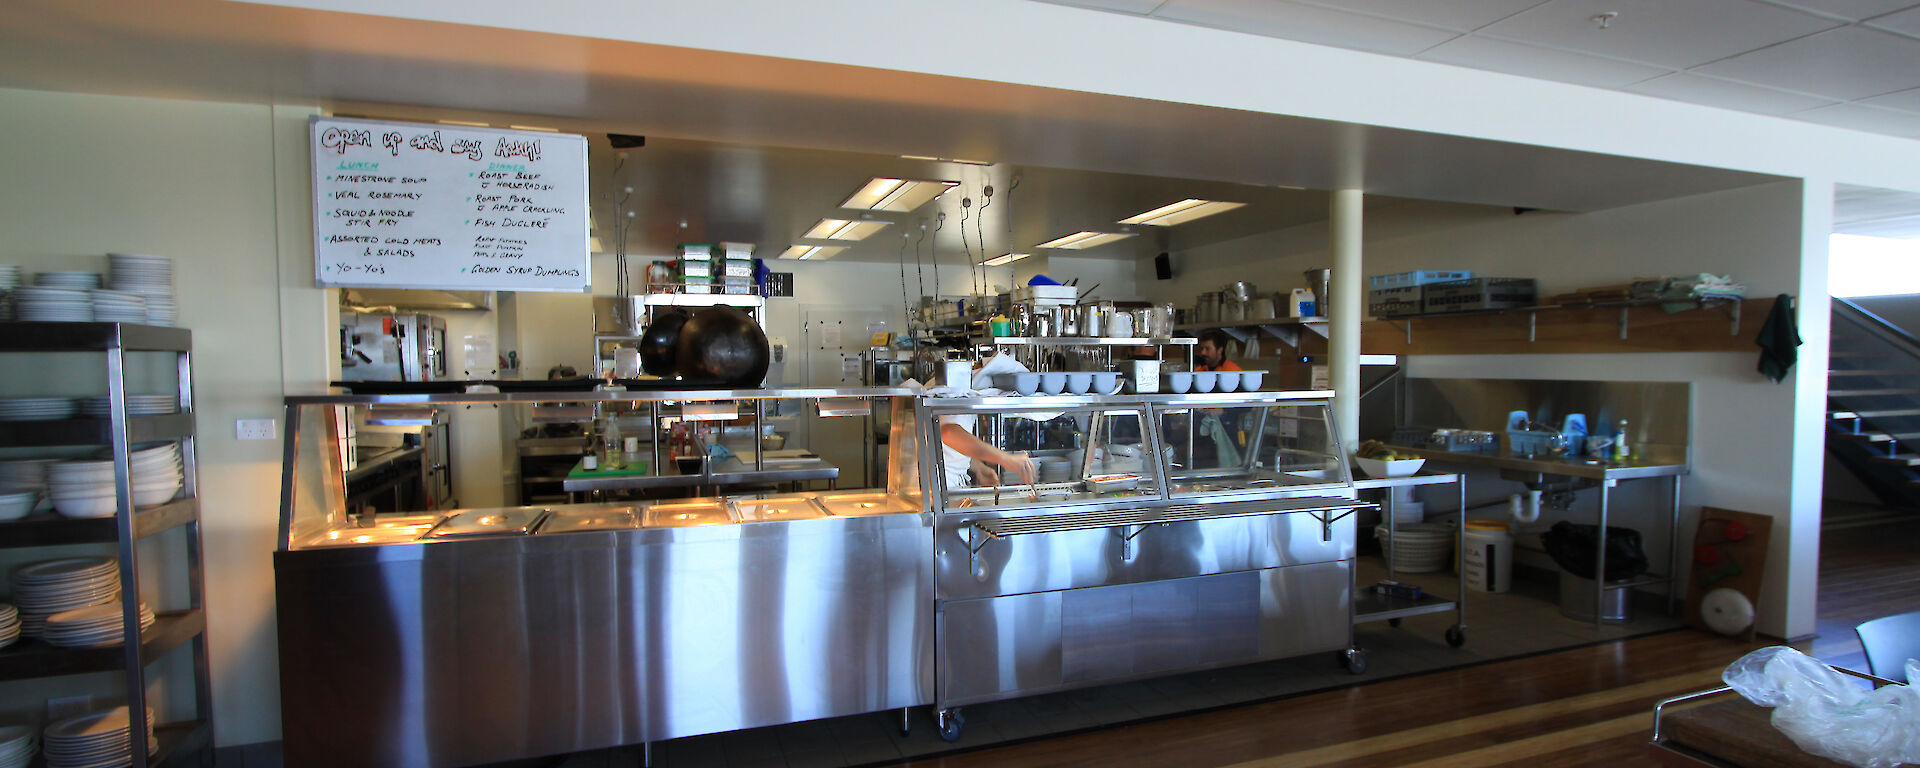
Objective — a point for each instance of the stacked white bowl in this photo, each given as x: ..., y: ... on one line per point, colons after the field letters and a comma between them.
x: 152, y: 278
x: 53, y: 304
x: 37, y: 408
x: 119, y: 307
x: 94, y: 626
x: 9, y: 280
x: 51, y: 586
x: 84, y: 488
x: 101, y: 406
x: 18, y: 743
x: 24, y: 474
x: 94, y: 740
x: 9, y: 628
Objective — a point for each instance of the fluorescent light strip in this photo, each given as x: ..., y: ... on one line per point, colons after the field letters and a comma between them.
x: 844, y: 229
x: 1181, y: 212
x: 1081, y: 240
x: 1004, y: 259
x: 812, y: 252
x: 897, y: 195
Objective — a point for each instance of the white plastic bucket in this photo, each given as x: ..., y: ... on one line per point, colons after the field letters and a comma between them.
x: 1486, y: 557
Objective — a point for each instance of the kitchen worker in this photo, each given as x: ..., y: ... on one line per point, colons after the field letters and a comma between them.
x: 962, y: 453
x: 1211, y: 353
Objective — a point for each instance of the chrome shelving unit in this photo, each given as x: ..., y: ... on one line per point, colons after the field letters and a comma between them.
x: 181, y: 742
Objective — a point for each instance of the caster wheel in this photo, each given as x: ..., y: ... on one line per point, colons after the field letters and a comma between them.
x: 1456, y: 636
x: 1356, y: 661
x: 951, y: 724
x: 1393, y: 622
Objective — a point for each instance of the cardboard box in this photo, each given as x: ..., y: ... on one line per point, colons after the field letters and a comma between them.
x: 1479, y: 293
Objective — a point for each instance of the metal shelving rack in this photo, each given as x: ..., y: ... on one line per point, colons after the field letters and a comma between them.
x: 183, y: 742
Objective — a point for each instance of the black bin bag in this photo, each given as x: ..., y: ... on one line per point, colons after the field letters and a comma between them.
x: 1571, y: 545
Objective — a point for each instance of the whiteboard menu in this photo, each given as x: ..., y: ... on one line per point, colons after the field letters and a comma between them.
x: 417, y: 205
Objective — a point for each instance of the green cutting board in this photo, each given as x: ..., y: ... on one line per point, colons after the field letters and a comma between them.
x: 635, y: 469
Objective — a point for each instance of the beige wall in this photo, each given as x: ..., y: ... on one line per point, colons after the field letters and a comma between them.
x: 195, y: 181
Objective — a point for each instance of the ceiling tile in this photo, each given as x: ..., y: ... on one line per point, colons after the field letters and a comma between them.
x: 1904, y: 22
x: 1844, y: 64
x: 1907, y: 100
x: 1307, y: 24
x: 1851, y: 10
x: 1459, y: 15
x: 1543, y: 63
x: 1664, y: 32
x: 1863, y: 118
x: 1714, y: 92
x: 1141, y: 7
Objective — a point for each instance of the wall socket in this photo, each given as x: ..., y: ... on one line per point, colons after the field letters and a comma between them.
x: 253, y: 429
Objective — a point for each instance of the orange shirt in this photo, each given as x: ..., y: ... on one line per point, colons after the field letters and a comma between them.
x: 1225, y: 365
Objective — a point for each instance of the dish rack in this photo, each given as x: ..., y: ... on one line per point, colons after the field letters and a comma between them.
x: 1455, y: 440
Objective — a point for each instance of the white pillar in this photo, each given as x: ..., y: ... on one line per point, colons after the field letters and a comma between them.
x: 1787, y: 599
x: 1346, y: 306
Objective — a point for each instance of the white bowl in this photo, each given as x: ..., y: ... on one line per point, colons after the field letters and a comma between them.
x: 1377, y: 468
x: 87, y: 507
x: 14, y: 506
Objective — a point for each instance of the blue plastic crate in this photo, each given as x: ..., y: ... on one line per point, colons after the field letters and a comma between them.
x: 1417, y: 277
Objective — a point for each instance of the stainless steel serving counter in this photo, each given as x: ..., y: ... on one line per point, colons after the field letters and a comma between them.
x: 458, y: 650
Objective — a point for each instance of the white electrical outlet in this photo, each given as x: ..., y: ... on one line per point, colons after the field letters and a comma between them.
x: 253, y: 429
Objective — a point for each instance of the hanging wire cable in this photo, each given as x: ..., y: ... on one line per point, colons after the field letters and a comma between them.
x: 933, y: 253
x: 920, y: 267
x: 906, y: 307
x: 966, y: 204
x: 980, y: 227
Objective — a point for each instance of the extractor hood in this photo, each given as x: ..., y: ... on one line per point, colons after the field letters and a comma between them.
x: 398, y: 300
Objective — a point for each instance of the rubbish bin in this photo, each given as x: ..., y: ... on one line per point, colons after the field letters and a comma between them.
x: 1576, y: 600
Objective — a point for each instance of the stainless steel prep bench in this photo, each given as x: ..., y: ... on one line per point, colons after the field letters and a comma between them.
x: 1604, y: 475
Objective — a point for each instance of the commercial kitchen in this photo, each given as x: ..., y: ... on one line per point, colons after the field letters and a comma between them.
x: 389, y: 484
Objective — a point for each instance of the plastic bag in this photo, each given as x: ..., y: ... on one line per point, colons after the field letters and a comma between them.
x: 1571, y: 545
x: 1829, y: 714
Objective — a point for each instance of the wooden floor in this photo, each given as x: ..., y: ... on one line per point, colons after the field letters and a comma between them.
x: 1584, y: 707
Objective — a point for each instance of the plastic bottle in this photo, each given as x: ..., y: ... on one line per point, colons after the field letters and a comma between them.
x: 610, y: 444
x: 1620, y: 450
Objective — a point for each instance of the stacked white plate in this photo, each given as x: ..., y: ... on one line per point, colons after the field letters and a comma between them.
x: 53, y: 305
x: 17, y: 745
x: 37, y: 408
x: 9, y: 632
x: 84, y: 281
x: 9, y: 280
x: 52, y: 586
x: 84, y: 488
x: 119, y: 307
x: 95, y: 626
x: 94, y: 740
x: 149, y: 276
x: 137, y: 405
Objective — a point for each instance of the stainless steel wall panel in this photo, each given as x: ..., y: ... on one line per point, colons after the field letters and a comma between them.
x: 1306, y: 608
x: 479, y: 650
x: 1095, y: 557
x: 1016, y: 645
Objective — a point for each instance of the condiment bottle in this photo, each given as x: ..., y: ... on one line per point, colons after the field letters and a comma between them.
x: 1620, y: 450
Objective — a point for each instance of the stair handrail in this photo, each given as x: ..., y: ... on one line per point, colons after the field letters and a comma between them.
x: 1880, y: 327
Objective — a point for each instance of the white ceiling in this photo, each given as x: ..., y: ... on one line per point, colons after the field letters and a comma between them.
x: 1847, y: 63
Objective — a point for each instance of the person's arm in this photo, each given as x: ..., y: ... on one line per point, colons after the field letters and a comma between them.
x: 973, y: 447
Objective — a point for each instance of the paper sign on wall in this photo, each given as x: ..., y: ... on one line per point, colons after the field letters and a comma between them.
x: 417, y: 205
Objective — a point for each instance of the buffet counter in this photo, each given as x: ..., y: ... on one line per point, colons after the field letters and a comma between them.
x: 1168, y: 533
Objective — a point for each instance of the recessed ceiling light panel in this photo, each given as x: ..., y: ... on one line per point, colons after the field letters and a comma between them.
x: 897, y: 195
x: 844, y: 229
x: 1082, y: 240
x: 1181, y: 212
x: 812, y: 252
x: 1004, y: 259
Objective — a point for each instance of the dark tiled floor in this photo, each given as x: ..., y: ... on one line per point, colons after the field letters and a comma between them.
x: 1526, y: 621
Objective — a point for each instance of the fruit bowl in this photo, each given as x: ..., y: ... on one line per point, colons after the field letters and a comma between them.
x: 1378, y: 468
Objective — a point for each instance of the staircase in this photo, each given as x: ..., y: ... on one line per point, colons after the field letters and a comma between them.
x: 1873, y: 399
